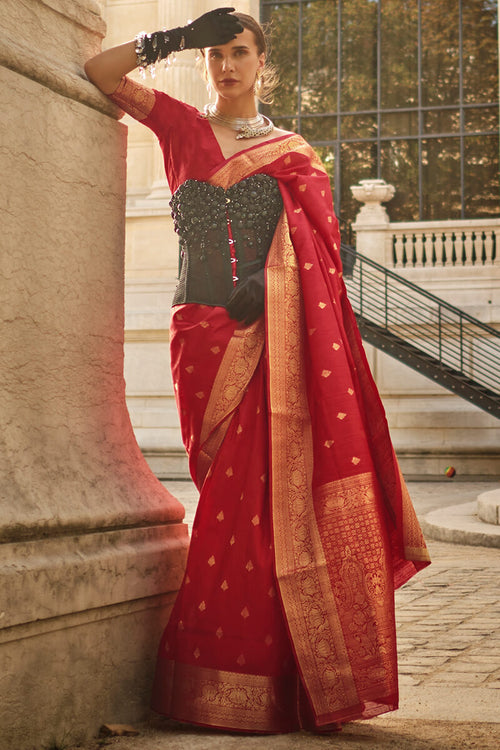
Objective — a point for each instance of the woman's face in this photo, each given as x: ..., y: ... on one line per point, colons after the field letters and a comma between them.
x: 232, y: 68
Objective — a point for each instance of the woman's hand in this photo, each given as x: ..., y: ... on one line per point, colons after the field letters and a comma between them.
x: 247, y: 301
x: 212, y: 28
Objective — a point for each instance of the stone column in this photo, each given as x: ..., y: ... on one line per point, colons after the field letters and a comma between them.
x: 92, y: 547
x: 372, y: 222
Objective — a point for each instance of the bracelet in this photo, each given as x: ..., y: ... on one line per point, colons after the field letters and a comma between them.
x: 141, y: 58
x: 149, y: 48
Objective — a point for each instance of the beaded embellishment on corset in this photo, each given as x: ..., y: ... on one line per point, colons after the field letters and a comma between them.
x: 201, y: 214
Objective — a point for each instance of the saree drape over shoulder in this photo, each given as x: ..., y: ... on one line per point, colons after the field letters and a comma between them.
x: 304, y: 528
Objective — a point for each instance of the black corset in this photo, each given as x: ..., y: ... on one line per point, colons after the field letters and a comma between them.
x: 201, y: 213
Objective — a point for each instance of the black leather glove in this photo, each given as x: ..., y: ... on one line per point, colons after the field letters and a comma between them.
x: 212, y: 28
x: 247, y: 301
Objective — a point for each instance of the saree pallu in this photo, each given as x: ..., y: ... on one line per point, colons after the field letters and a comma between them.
x: 285, y: 618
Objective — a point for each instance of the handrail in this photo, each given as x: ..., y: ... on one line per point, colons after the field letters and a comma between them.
x: 428, y: 333
x: 350, y: 252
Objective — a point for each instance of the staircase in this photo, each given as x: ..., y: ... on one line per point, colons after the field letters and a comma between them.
x: 424, y: 332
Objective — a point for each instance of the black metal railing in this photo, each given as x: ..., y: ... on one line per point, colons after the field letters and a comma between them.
x: 430, y: 335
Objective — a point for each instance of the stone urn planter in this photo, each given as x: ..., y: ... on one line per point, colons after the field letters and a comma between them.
x: 373, y: 193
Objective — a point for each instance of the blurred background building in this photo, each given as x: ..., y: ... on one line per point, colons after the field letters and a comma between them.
x: 403, y: 91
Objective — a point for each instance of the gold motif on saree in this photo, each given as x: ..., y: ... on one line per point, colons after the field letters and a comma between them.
x: 350, y: 520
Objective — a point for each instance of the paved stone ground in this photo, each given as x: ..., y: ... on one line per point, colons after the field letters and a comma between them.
x: 449, y: 636
x: 448, y: 621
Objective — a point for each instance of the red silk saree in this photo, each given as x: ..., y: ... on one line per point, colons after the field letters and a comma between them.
x: 304, y: 528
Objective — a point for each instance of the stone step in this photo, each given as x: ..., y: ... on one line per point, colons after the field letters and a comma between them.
x: 168, y: 464
x: 488, y: 507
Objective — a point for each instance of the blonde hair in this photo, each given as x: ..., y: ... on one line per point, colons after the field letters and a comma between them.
x: 268, y: 80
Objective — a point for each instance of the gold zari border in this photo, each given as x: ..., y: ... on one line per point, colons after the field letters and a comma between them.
x: 414, y: 542
x: 134, y: 98
x: 229, y: 700
x: 259, y: 157
x: 301, y: 567
x: 238, y: 365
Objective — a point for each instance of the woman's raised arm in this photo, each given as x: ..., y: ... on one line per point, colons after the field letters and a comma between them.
x: 108, y: 68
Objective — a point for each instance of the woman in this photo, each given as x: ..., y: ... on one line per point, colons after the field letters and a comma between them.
x: 285, y: 618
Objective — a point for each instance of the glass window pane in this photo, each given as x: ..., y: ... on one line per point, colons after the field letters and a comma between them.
x: 441, y: 178
x: 399, y: 123
x: 439, y: 160
x: 442, y: 121
x: 285, y: 54
x: 480, y: 50
x: 440, y: 52
x: 399, y: 167
x: 359, y: 126
x: 287, y: 123
x: 481, y: 177
x: 319, y: 56
x: 481, y: 119
x: 319, y: 128
x: 358, y: 161
x: 359, y: 55
x: 399, y: 58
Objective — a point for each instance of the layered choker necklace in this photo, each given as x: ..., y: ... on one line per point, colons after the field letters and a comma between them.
x: 245, y: 127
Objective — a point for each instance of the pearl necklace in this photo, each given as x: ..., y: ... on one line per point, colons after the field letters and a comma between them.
x: 245, y: 127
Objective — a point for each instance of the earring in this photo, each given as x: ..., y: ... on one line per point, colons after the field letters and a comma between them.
x: 209, y: 90
x: 258, y: 83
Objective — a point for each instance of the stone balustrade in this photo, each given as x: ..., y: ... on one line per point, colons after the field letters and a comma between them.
x: 420, y: 244
x: 426, y: 244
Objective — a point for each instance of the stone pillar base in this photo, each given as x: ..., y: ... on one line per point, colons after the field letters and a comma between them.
x: 87, y: 624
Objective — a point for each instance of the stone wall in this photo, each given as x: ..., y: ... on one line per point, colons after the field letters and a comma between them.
x: 92, y: 547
